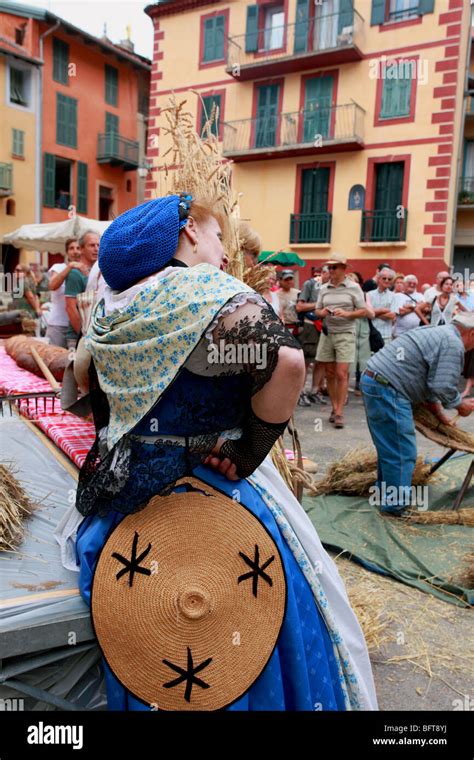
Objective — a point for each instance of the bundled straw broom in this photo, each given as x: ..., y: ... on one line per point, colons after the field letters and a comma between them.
x: 442, y: 517
x: 356, y: 472
x: 449, y: 436
x: 15, y: 507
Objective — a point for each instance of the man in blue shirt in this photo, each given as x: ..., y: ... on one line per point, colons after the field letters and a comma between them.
x: 422, y: 366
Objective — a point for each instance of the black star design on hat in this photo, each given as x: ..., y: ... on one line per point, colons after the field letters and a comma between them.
x: 256, y: 570
x: 188, y: 675
x: 132, y: 565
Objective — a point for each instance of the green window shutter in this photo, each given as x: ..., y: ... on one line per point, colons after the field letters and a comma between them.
x: 49, y: 189
x: 317, y: 107
x: 72, y: 123
x: 219, y: 37
x: 207, y: 103
x: 251, y: 33
x: 378, y: 12
x: 389, y: 186
x: 395, y: 98
x: 66, y: 120
x: 314, y: 191
x: 425, y: 6
x: 301, y: 26
x: 214, y: 39
x: 111, y: 123
x: 60, y: 61
x: 81, y: 188
x: 387, y: 109
x: 18, y: 142
x: 111, y: 133
x: 111, y: 85
x: 404, y: 93
x: 61, y: 119
x: 346, y: 15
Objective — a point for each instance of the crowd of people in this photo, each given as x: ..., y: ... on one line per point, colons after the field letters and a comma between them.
x: 341, y: 321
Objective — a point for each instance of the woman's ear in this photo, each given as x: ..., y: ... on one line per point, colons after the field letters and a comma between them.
x: 190, y: 230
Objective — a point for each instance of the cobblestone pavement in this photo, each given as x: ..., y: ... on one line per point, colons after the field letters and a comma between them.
x: 426, y: 660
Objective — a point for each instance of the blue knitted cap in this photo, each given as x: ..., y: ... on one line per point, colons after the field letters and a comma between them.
x: 142, y: 240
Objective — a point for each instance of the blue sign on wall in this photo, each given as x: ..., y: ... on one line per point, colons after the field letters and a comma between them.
x: 356, y: 198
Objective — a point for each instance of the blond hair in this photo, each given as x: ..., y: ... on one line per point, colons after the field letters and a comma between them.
x: 249, y: 239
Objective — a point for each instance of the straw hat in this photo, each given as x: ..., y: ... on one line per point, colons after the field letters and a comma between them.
x: 188, y: 599
x: 337, y: 258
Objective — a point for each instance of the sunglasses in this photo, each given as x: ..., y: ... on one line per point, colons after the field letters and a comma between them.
x: 388, y: 279
x: 332, y: 267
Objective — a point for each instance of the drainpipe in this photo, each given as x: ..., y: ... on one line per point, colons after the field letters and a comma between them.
x: 39, y: 125
x: 459, y: 158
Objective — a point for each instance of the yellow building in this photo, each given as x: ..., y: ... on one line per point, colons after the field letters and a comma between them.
x: 463, y: 258
x: 343, y: 121
x: 19, y: 78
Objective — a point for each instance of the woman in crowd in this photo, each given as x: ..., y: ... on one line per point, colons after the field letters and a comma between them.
x: 168, y: 305
x: 442, y: 308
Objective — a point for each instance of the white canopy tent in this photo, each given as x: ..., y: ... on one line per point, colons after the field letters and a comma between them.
x: 52, y: 236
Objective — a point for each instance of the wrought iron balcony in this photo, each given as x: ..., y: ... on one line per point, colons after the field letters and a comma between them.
x: 315, y: 131
x: 384, y: 226
x: 6, y: 179
x: 310, y: 228
x: 116, y: 150
x: 466, y: 192
x: 326, y: 39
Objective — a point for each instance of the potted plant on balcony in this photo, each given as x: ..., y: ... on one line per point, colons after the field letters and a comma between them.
x: 465, y: 198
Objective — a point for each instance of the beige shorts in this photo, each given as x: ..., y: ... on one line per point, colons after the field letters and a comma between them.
x: 336, y: 347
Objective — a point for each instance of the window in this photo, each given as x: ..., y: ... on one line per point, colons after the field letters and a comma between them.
x: 111, y: 85
x: 207, y: 104
x: 313, y: 222
x: 128, y: 185
x: 395, y: 11
x: 266, y: 126
x: 57, y: 174
x: 386, y: 220
x: 18, y: 142
x: 400, y: 10
x: 20, y: 34
x: 18, y: 86
x: 214, y: 38
x: 317, y: 108
x: 66, y: 120
x: 274, y: 21
x: 10, y: 207
x: 60, y: 61
x: 396, y: 95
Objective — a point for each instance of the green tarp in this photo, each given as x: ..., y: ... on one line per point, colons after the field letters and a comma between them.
x: 429, y: 557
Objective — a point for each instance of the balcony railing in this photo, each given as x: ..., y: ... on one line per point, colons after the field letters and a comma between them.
x: 310, y: 228
x: 293, y: 46
x: 6, y: 179
x: 116, y: 150
x: 384, y: 226
x: 404, y: 15
x: 466, y: 191
x: 303, y: 131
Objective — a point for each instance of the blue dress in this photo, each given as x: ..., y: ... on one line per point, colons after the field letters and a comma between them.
x: 303, y: 671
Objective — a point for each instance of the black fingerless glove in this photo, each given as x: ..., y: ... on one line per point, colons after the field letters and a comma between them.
x: 249, y: 451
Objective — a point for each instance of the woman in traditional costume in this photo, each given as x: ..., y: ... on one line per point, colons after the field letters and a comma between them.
x: 208, y: 585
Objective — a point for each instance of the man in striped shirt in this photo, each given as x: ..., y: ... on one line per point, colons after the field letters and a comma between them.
x: 422, y: 366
